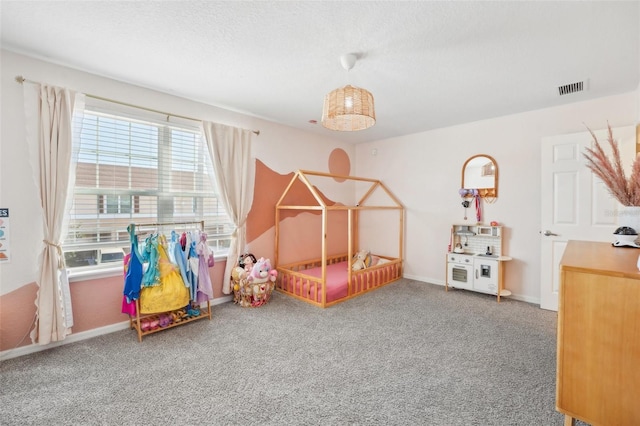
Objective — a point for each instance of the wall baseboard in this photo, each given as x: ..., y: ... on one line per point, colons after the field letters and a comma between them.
x: 521, y: 298
x: 423, y: 279
x: 77, y: 337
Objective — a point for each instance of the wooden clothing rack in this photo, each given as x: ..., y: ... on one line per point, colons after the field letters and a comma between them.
x: 163, y: 224
x: 178, y: 316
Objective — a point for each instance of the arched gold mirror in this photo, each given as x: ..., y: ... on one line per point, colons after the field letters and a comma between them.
x: 481, y: 172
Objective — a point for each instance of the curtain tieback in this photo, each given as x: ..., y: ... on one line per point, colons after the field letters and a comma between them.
x: 61, y: 264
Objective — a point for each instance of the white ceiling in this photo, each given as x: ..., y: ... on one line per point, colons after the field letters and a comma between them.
x: 428, y: 64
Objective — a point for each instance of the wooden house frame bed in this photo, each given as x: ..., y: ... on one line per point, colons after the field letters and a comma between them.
x: 329, y: 279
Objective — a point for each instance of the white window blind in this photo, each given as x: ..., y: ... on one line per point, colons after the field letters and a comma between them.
x: 138, y: 169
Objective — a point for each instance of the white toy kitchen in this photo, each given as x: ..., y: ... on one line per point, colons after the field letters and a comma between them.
x: 475, y: 260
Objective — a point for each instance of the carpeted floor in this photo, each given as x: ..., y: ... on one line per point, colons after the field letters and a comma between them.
x: 406, y: 354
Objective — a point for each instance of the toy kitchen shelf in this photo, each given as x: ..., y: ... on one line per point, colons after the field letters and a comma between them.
x: 475, y: 260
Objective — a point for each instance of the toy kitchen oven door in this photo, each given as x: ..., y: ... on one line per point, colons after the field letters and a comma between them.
x: 460, y: 271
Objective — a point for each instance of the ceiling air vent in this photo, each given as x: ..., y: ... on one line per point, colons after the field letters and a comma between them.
x: 567, y: 89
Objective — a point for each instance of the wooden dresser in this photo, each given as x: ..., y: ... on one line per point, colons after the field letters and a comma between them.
x: 598, y: 358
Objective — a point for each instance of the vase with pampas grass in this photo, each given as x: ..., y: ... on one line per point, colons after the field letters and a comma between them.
x: 611, y: 172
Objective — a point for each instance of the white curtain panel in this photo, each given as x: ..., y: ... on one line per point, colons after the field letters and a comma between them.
x: 49, y: 115
x: 234, y: 168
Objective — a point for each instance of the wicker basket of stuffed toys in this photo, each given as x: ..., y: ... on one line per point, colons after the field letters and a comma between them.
x: 253, y: 281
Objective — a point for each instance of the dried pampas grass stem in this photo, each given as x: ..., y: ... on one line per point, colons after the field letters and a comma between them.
x: 611, y: 172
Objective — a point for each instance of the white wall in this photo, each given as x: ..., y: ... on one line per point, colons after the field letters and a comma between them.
x: 424, y: 171
x: 281, y: 148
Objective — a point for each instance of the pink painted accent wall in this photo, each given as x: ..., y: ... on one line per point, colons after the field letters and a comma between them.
x: 17, y: 312
x: 339, y: 163
x: 96, y: 303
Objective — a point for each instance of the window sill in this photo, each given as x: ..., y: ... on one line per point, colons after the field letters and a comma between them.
x: 114, y: 271
x: 94, y: 274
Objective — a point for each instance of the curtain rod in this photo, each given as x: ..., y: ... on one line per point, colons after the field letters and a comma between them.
x: 20, y: 79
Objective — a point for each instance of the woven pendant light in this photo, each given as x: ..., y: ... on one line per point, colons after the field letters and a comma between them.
x: 348, y: 108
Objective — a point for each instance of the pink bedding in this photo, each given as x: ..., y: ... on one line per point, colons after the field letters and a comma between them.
x: 336, y: 280
x: 310, y: 287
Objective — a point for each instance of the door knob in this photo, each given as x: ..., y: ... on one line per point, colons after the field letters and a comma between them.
x: 548, y: 233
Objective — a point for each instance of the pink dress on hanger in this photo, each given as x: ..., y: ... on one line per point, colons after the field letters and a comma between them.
x: 128, y: 306
x: 205, y: 289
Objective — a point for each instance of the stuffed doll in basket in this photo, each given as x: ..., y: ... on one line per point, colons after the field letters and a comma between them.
x: 261, y: 280
x: 239, y: 274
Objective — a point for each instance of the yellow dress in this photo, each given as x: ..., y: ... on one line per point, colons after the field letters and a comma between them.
x: 171, y: 294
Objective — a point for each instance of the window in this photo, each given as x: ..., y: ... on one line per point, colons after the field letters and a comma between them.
x: 117, y: 203
x: 134, y: 168
x: 488, y: 169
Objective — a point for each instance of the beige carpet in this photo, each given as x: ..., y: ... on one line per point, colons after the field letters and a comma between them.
x: 406, y: 354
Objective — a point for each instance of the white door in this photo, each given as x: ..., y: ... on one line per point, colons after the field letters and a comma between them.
x: 575, y: 205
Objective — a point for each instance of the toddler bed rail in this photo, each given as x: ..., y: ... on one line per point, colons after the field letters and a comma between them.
x: 303, y: 280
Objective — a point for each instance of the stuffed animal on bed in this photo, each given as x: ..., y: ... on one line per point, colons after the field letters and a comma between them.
x: 361, y: 260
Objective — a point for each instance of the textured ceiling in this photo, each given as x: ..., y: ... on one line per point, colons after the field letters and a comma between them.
x: 428, y: 64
